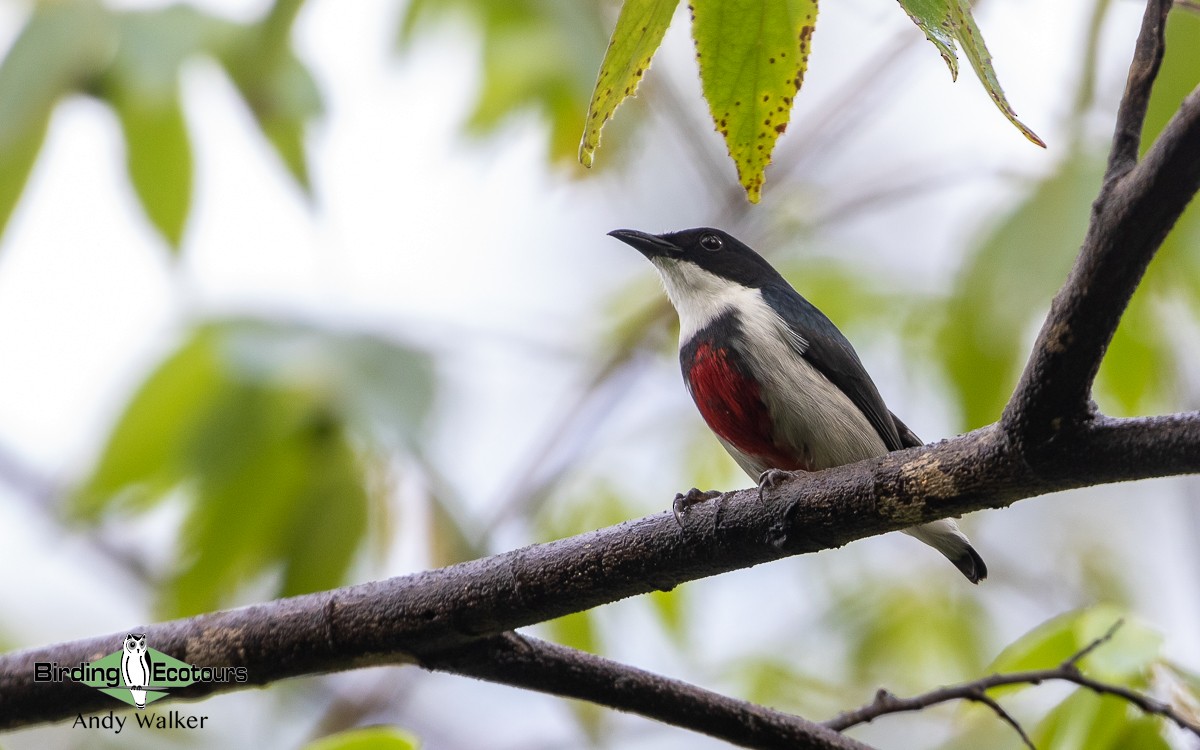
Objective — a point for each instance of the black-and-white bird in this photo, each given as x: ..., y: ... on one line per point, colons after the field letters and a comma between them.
x: 773, y: 377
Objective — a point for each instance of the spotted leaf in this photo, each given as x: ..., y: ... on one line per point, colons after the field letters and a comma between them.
x: 752, y: 55
x: 946, y: 22
x: 638, y: 33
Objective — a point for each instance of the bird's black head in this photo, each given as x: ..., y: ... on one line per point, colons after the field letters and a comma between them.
x: 710, y: 249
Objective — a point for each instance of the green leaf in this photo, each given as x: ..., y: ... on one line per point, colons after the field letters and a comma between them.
x: 918, y: 634
x: 948, y: 21
x: 1125, y: 659
x: 1138, y: 371
x: 268, y: 432
x: 931, y: 17
x: 538, y: 56
x: 1144, y: 733
x: 1177, y: 75
x: 769, y: 680
x: 142, y: 459
x: 638, y: 34
x: 18, y: 152
x: 159, y: 158
x: 60, y: 48
x: 276, y: 85
x: 449, y: 542
x: 367, y: 738
x: 1084, y: 721
x: 142, y: 85
x: 752, y: 55
x: 1007, y: 284
x: 1087, y: 721
x: 669, y: 606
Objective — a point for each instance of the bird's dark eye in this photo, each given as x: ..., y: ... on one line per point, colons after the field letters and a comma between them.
x: 711, y: 242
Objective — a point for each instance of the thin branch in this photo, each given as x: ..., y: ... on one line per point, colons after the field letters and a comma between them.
x: 522, y: 661
x: 1131, y: 114
x: 1078, y: 656
x: 1006, y: 717
x: 976, y: 690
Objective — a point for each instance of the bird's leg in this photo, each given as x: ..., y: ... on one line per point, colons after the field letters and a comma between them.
x: 683, y: 501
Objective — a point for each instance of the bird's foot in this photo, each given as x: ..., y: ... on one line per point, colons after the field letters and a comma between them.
x: 770, y: 479
x: 683, y: 501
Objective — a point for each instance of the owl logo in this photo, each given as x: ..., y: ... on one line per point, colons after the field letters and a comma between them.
x: 135, y: 667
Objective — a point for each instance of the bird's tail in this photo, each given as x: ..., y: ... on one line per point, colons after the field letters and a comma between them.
x: 945, y: 537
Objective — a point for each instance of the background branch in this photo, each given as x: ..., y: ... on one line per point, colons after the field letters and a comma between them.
x: 521, y: 661
x: 976, y: 690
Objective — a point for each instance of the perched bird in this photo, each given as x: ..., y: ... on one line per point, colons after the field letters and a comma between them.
x: 772, y: 376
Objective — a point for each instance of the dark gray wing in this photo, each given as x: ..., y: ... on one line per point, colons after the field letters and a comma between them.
x: 827, y: 350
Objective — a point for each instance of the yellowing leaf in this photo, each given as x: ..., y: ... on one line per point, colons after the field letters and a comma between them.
x: 638, y: 33
x: 947, y: 21
x: 752, y: 55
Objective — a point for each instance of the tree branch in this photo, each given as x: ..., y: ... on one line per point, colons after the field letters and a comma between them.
x: 413, y: 618
x: 1137, y: 206
x: 521, y: 661
x: 976, y: 690
x: 1131, y: 113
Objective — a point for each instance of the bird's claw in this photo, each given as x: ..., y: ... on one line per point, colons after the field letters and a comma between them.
x: 683, y: 501
x: 770, y: 479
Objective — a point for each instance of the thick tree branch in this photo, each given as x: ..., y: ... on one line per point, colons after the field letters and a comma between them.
x: 521, y: 661
x: 1137, y: 206
x: 976, y: 690
x: 414, y: 618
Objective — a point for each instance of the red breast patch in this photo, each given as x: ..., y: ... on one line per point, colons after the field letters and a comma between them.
x: 732, y: 405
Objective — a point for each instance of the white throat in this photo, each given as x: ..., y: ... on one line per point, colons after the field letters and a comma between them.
x: 701, y: 297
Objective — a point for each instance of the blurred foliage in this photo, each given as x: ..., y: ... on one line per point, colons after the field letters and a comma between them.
x: 916, y: 633
x: 1132, y: 658
x: 1006, y: 283
x: 270, y: 432
x: 367, y: 738
x: 132, y: 61
x: 537, y: 55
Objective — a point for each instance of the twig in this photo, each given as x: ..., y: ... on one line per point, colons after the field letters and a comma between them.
x: 1131, y: 114
x: 1078, y: 656
x: 1005, y: 716
x: 976, y: 690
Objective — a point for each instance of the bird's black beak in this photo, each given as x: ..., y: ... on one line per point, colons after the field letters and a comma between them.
x: 649, y: 245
